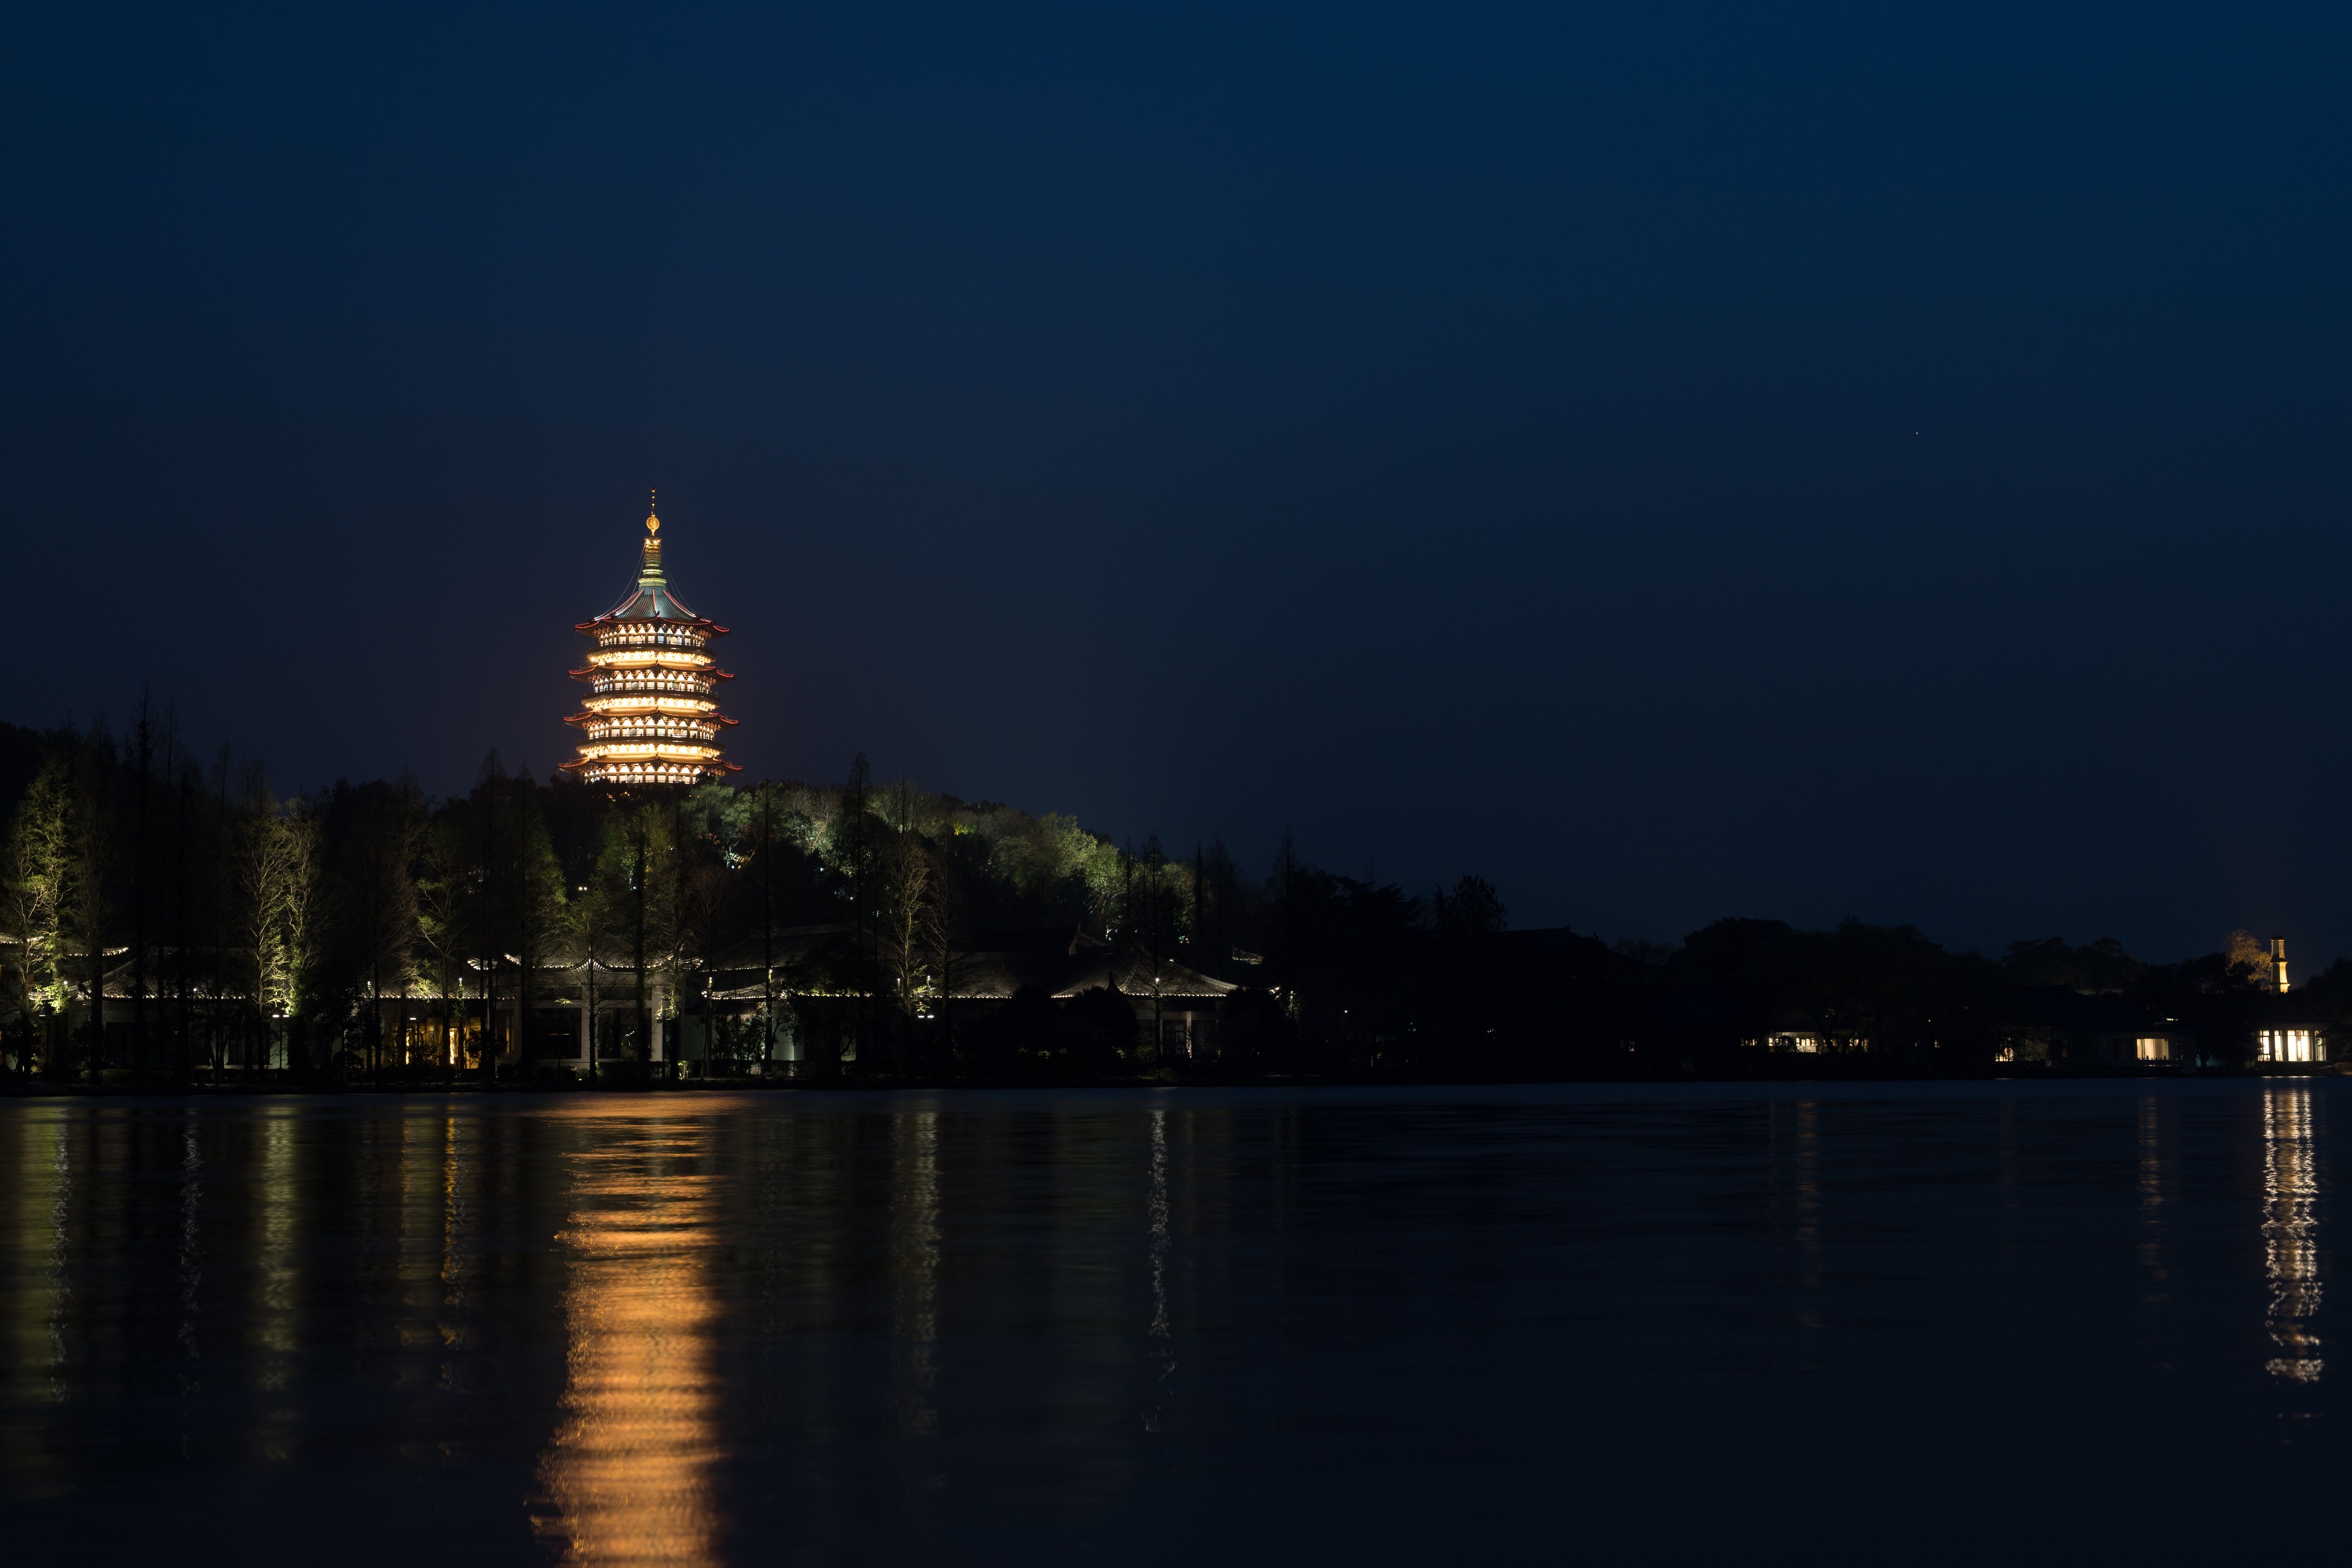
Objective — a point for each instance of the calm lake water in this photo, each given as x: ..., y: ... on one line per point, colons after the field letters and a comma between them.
x: 1856, y: 1324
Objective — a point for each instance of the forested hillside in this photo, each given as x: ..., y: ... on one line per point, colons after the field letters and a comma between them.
x: 188, y: 877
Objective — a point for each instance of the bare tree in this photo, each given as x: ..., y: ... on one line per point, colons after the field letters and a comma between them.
x: 35, y: 881
x: 949, y: 931
x: 143, y: 735
x: 907, y: 917
x: 279, y: 877
x: 380, y: 885
x: 703, y: 924
x: 542, y: 915
x: 444, y: 907
x: 90, y: 847
x: 640, y: 887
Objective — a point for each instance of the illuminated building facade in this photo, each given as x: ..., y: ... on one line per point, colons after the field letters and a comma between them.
x: 2300, y: 1040
x: 651, y: 715
x: 2285, y: 1031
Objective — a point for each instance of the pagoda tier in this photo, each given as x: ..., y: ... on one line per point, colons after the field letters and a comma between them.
x: 651, y: 715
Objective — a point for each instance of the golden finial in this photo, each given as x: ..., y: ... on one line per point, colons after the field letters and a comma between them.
x: 653, y: 511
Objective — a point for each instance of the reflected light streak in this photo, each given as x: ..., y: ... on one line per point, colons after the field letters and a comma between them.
x: 191, y: 1254
x: 2291, y: 1232
x: 35, y: 1291
x: 61, y: 1278
x: 271, y: 1322
x: 628, y: 1475
x: 453, y: 1227
x: 915, y: 1246
x: 1809, y: 1212
x: 1158, y: 1210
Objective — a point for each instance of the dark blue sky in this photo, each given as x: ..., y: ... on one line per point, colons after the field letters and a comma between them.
x: 1676, y: 460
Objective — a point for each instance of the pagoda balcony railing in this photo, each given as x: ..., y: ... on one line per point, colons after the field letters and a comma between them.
x: 649, y: 658
x: 631, y: 639
x: 707, y: 718
x: 643, y: 692
x: 638, y: 686
x: 650, y: 735
x: 685, y: 734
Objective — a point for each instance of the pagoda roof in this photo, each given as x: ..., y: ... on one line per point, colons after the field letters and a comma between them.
x: 593, y: 670
x: 653, y: 599
x: 591, y: 717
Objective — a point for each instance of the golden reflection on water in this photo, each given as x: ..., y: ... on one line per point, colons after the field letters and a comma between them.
x: 60, y: 1276
x: 274, y: 1312
x: 44, y: 1187
x: 2291, y: 1231
x: 36, y: 1295
x: 627, y: 1477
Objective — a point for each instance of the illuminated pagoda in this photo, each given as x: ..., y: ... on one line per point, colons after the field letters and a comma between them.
x: 651, y: 715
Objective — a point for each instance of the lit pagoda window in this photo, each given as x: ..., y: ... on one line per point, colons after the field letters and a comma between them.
x: 673, y: 712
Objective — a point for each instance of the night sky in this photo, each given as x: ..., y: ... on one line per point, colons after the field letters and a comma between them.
x: 1676, y: 460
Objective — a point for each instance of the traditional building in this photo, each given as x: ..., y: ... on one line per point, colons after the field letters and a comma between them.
x: 651, y: 715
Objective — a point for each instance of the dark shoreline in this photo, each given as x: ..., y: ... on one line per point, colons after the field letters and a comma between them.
x: 36, y: 1090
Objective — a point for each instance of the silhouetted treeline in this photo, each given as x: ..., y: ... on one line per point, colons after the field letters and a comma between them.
x: 839, y: 933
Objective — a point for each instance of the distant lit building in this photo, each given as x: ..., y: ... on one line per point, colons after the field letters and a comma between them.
x: 2285, y: 1030
x: 2057, y: 1026
x: 1816, y: 1042
x: 2292, y: 1042
x: 651, y: 715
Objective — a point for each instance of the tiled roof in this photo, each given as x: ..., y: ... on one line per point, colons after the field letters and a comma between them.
x: 649, y: 601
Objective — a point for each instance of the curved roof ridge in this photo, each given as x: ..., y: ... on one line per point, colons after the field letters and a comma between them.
x: 653, y: 602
